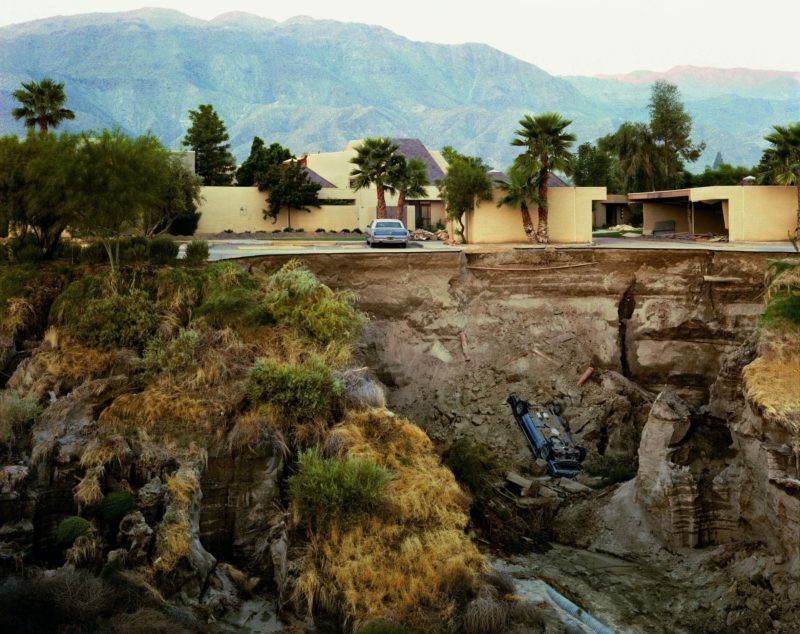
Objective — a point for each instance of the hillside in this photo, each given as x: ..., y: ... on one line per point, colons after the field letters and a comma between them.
x: 314, y: 84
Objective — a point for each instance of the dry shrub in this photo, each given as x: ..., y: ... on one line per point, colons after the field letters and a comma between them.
x: 485, y: 615
x: 85, y: 552
x: 16, y: 414
x: 411, y: 564
x: 773, y: 383
x: 254, y: 429
x: 100, y: 451
x: 423, y: 491
x: 146, y: 621
x: 172, y: 543
x: 526, y: 613
x: 502, y: 581
x: 89, y: 492
x: 359, y: 391
x: 182, y: 486
x: 65, y: 357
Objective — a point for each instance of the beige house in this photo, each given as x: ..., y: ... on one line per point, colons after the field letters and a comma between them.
x: 745, y: 213
x: 240, y: 209
x: 614, y: 210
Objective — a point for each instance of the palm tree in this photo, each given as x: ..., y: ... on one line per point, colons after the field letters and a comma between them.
x: 410, y: 179
x: 547, y: 147
x: 42, y: 104
x: 781, y: 161
x: 374, y: 165
x: 520, y: 191
x: 637, y: 160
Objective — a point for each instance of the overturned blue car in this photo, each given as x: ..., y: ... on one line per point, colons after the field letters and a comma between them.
x: 548, y: 437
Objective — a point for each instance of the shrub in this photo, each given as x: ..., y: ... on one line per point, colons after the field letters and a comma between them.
x: 71, y: 303
x: 15, y: 282
x: 612, y: 470
x: 301, y: 230
x: 229, y: 295
x: 134, y: 250
x: 94, y: 253
x: 174, y: 356
x: 344, y: 231
x: 118, y: 321
x: 474, y: 465
x: 186, y: 224
x: 16, y: 414
x: 116, y: 505
x: 162, y: 250
x: 319, y: 230
x: 357, y: 230
x: 332, y: 491
x: 69, y: 529
x: 295, y: 392
x: 782, y: 312
x: 297, y: 299
x: 196, y: 252
x: 383, y: 627
x: 25, y: 249
x: 485, y: 615
x: 288, y: 230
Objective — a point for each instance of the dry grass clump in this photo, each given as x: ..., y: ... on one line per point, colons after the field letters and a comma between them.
x: 16, y: 414
x: 254, y: 429
x: 773, y: 383
x: 423, y: 490
x: 485, y: 615
x: 172, y: 543
x: 412, y: 563
x: 65, y: 357
x: 89, y: 491
x: 182, y: 486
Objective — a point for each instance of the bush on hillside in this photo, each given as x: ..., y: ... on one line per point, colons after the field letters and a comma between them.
x: 229, y: 295
x: 196, y: 252
x: 16, y: 414
x: 174, y: 356
x: 474, y: 465
x: 24, y: 250
x: 117, y: 321
x: 782, y: 312
x: 162, y: 250
x: 333, y: 491
x: 69, y: 529
x: 116, y: 505
x: 296, y: 393
x: 297, y: 299
x: 71, y: 303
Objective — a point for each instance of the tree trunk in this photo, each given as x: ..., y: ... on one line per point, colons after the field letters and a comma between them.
x: 527, y: 223
x: 401, y: 207
x: 543, y: 231
x: 381, y: 201
x: 797, y: 227
x: 463, y: 229
x: 42, y: 127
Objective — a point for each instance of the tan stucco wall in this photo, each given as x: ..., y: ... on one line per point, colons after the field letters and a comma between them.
x: 752, y: 213
x: 569, y: 218
x: 240, y: 209
x: 757, y: 213
x: 653, y: 212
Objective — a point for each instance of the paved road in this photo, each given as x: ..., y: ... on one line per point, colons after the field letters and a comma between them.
x: 233, y: 249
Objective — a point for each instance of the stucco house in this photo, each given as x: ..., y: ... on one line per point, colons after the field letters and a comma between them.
x: 744, y: 213
x: 240, y: 209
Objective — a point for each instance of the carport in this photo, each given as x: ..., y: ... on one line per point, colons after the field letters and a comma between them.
x: 682, y: 211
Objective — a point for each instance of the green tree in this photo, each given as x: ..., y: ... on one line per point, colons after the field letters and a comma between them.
x: 462, y: 187
x: 594, y: 167
x: 547, y: 148
x: 289, y: 188
x: 780, y: 162
x: 450, y: 154
x: 375, y: 162
x: 410, y: 179
x: 260, y: 160
x: 208, y: 138
x: 176, y: 211
x: 118, y: 180
x: 520, y: 191
x: 42, y: 105
x: 636, y: 156
x: 723, y: 174
x: 671, y: 127
x: 13, y: 159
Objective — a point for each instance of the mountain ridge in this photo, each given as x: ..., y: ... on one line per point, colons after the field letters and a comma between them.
x: 314, y: 84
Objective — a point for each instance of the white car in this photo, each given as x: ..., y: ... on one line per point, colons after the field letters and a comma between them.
x: 385, y: 231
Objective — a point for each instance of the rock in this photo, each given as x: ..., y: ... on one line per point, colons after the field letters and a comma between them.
x: 136, y: 536
x: 539, y: 467
x: 572, y: 486
x: 521, y: 481
x: 547, y: 492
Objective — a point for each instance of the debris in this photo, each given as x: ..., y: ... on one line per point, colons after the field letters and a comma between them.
x: 585, y: 376
x: 421, y: 234
x: 572, y: 486
x: 721, y: 280
x: 521, y: 481
x: 463, y: 337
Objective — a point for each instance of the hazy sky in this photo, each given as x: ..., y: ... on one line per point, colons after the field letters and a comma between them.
x: 561, y: 36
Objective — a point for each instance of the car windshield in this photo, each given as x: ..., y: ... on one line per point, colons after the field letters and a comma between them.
x: 391, y: 223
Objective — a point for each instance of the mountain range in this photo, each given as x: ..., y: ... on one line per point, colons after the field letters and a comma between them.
x: 312, y: 85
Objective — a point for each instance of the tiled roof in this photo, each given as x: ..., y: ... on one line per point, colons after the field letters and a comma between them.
x: 316, y: 178
x: 414, y: 149
x: 553, y: 181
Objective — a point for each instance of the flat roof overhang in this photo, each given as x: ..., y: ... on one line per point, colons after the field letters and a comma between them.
x: 669, y: 196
